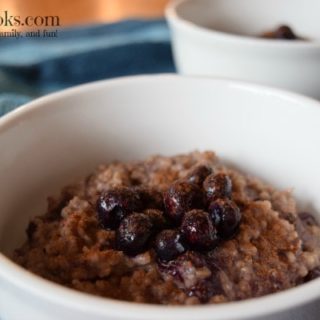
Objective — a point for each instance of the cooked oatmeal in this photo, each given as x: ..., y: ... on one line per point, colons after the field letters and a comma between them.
x: 173, y: 230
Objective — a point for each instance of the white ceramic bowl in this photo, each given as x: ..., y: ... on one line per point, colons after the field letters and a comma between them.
x: 53, y: 140
x: 218, y: 38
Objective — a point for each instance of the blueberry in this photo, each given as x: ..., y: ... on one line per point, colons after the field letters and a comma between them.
x: 205, y: 289
x: 183, y: 271
x: 308, y: 219
x: 133, y: 234
x: 218, y: 186
x: 198, y: 174
x: 285, y: 32
x: 115, y: 204
x: 198, y: 230
x: 197, y: 259
x: 31, y: 230
x: 181, y: 197
x: 226, y: 216
x: 178, y: 268
x: 151, y: 198
x: 169, y: 245
x: 158, y: 219
x: 313, y: 274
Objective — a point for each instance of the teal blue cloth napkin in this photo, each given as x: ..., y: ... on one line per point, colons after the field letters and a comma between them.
x: 31, y: 67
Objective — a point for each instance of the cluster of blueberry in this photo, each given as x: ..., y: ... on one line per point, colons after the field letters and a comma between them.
x: 195, y: 213
x: 283, y: 33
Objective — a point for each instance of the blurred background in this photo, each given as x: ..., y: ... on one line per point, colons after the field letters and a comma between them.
x: 77, y: 12
x: 96, y: 39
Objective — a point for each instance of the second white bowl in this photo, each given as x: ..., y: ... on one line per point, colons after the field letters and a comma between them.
x: 219, y: 38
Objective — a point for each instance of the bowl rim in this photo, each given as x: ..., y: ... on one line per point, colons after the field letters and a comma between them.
x: 174, y: 18
x: 15, y: 275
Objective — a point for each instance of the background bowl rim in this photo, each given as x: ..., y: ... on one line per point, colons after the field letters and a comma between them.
x: 51, y: 292
x: 173, y: 17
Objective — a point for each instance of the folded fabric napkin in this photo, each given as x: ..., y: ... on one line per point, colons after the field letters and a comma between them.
x: 31, y: 67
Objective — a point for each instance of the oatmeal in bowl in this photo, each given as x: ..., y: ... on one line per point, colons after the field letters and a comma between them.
x: 185, y: 229
x: 181, y: 235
